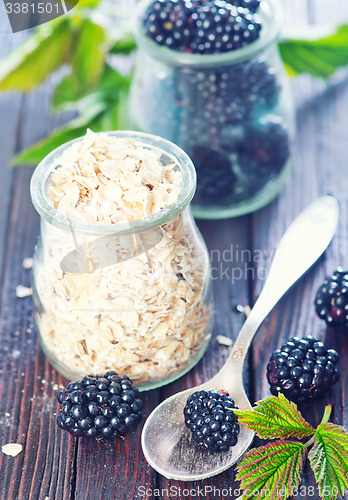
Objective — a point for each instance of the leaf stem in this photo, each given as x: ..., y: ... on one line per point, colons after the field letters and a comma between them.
x: 324, y: 420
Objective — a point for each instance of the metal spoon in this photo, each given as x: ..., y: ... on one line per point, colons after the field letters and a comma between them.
x: 166, y: 442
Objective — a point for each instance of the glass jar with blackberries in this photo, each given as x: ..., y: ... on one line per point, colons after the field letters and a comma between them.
x: 209, y: 77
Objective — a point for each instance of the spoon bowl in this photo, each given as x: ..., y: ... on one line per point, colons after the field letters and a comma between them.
x: 167, y: 443
x: 170, y: 448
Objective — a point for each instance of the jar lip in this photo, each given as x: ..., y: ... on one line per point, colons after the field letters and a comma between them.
x: 271, y: 15
x: 50, y: 214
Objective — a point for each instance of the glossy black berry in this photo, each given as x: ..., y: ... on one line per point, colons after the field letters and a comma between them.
x: 267, y: 149
x: 331, y: 300
x: 100, y: 407
x: 222, y: 27
x: 78, y: 411
x: 168, y: 23
x: 209, y: 416
x: 215, y: 178
x: 252, y: 5
x: 309, y: 369
x: 78, y: 397
x: 74, y: 386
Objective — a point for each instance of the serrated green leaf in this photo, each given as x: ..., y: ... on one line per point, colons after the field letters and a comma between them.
x: 320, y: 58
x: 40, y: 55
x: 88, y: 55
x: 329, y: 460
x: 124, y: 45
x: 275, y: 418
x: 274, y: 469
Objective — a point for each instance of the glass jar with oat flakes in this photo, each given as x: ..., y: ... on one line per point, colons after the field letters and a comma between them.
x: 121, y: 273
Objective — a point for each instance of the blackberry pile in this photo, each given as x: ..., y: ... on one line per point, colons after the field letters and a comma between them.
x: 302, y: 369
x: 209, y: 416
x: 331, y: 300
x: 202, y: 27
x: 225, y: 117
x: 102, y: 407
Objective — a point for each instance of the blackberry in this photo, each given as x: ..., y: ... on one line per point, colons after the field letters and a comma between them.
x: 252, y: 5
x: 266, y: 150
x: 215, y: 178
x: 302, y: 369
x: 331, y: 300
x: 215, y: 104
x: 167, y: 22
x: 99, y: 406
x: 222, y: 27
x: 258, y: 83
x: 202, y: 27
x: 209, y: 416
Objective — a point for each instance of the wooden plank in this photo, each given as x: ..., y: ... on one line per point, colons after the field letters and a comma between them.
x: 10, y: 106
x: 56, y: 466
x: 225, y: 241
x: 28, y: 406
x: 27, y: 390
x: 319, y: 168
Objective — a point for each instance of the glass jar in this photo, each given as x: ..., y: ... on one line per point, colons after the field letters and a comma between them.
x: 231, y: 112
x: 134, y: 297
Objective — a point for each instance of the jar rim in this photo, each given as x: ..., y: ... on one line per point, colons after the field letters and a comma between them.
x: 50, y: 214
x: 271, y: 15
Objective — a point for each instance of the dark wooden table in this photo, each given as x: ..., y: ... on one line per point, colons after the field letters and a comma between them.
x: 55, y: 466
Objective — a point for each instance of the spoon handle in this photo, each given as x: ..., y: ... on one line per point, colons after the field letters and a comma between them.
x: 301, y: 245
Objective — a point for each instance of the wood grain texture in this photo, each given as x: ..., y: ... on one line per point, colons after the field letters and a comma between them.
x: 54, y: 465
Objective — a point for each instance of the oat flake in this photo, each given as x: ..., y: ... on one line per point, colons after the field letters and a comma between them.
x: 222, y: 340
x: 27, y: 263
x: 12, y: 449
x: 23, y: 291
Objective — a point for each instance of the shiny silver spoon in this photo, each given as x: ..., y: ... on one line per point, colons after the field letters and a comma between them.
x: 165, y: 440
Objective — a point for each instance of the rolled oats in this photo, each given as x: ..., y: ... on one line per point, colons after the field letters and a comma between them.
x: 130, y: 303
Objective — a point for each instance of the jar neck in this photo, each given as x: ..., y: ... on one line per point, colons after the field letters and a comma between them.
x: 271, y: 17
x: 41, y: 178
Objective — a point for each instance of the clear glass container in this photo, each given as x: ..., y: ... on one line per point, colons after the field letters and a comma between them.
x: 134, y: 297
x: 231, y: 112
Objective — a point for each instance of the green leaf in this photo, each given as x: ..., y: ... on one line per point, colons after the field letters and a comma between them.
x: 83, y: 3
x: 274, y: 470
x: 88, y: 55
x: 75, y: 128
x: 329, y: 460
x: 320, y: 58
x: 67, y: 94
x: 275, y: 417
x: 103, y: 108
x: 124, y: 45
x: 122, y: 110
x: 40, y: 55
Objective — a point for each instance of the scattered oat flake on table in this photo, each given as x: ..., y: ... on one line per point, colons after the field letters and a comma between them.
x: 247, y: 310
x: 12, y: 449
x: 27, y: 263
x: 23, y: 291
x: 222, y: 340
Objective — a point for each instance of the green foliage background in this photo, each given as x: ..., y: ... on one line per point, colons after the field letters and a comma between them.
x: 96, y: 90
